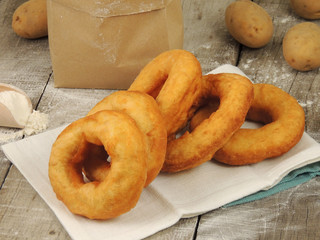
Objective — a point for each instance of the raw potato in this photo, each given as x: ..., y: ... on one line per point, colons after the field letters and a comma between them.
x: 249, y: 23
x: 30, y: 19
x: 308, y: 9
x: 301, y: 46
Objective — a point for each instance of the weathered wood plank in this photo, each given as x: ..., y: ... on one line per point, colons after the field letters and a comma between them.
x: 206, y: 35
x: 184, y: 229
x: 23, y: 63
x: 290, y: 214
x: 23, y: 213
x: 5, y: 164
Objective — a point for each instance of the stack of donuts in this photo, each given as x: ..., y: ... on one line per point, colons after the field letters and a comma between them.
x: 172, y: 118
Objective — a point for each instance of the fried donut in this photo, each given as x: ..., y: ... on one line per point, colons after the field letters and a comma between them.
x: 120, y: 191
x: 283, y: 120
x: 194, y: 148
x: 145, y: 111
x: 174, y: 79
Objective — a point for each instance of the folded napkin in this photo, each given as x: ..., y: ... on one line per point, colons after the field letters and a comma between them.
x: 294, y: 178
x: 170, y: 196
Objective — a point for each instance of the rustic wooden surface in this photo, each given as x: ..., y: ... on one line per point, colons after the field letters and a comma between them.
x: 291, y: 214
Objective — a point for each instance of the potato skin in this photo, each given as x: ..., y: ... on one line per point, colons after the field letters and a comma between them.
x: 30, y: 19
x: 249, y: 23
x: 301, y: 46
x: 308, y: 9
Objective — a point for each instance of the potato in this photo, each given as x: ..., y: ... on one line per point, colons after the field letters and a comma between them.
x: 30, y: 19
x: 301, y: 46
x: 249, y: 23
x: 308, y: 9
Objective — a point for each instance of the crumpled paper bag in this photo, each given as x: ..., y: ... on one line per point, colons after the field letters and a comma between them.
x: 104, y: 44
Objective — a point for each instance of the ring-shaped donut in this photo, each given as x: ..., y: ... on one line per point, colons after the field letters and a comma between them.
x: 174, y: 79
x: 120, y: 191
x: 144, y: 110
x: 194, y: 148
x: 283, y: 120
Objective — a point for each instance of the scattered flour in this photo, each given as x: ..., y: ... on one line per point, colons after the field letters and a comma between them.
x: 37, y: 122
x: 287, y: 19
x: 307, y: 104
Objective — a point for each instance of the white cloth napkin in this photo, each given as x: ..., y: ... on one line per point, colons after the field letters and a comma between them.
x: 170, y: 196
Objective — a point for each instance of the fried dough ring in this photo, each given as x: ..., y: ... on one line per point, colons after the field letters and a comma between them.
x: 194, y: 148
x: 145, y: 111
x: 284, y: 121
x: 120, y: 191
x: 174, y: 79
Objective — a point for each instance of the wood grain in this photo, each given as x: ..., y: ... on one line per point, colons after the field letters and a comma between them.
x: 24, y: 215
x: 206, y: 36
x: 291, y: 214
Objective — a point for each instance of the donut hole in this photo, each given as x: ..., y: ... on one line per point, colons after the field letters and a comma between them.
x: 259, y: 115
x: 256, y: 117
x: 155, y: 92
x: 209, y: 106
x: 249, y: 124
x: 180, y: 133
x: 96, y: 161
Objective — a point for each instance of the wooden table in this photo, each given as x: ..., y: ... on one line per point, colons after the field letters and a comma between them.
x: 291, y: 214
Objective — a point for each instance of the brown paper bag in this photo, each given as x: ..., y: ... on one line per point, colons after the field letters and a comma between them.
x: 105, y: 43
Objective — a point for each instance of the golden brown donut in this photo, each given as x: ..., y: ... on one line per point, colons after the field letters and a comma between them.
x: 196, y: 147
x: 145, y: 111
x: 174, y: 79
x: 283, y: 120
x: 120, y: 190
